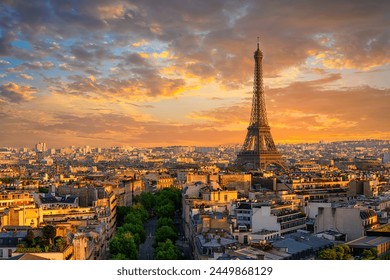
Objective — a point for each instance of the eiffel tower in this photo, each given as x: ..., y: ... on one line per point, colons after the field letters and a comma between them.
x: 258, y: 150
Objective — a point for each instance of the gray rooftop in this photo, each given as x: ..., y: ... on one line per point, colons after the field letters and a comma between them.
x: 369, y: 241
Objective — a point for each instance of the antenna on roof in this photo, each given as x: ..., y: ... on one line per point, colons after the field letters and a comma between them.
x: 258, y: 42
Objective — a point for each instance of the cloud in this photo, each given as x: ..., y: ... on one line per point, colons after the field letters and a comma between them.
x: 15, y: 93
x: 140, y: 43
x: 36, y: 65
x: 217, y: 37
x: 25, y: 76
x: 4, y: 62
x: 310, y: 108
x: 147, y: 83
x: 121, y: 52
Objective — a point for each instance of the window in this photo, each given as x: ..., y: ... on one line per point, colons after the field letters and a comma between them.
x: 1, y: 253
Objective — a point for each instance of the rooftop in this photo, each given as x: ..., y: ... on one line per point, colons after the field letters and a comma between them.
x: 369, y: 241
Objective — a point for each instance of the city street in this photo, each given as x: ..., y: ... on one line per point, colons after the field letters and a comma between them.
x: 146, y: 249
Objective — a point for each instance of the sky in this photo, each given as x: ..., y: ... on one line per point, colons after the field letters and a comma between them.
x: 161, y: 73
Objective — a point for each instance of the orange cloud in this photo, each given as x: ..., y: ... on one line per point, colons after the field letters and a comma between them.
x: 15, y: 93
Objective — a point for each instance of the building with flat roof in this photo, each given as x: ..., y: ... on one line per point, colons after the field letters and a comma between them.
x: 380, y: 243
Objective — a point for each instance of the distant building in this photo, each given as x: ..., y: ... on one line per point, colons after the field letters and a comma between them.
x: 368, y: 188
x: 41, y: 147
x: 158, y: 181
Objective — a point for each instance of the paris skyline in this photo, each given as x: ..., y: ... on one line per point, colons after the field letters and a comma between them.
x: 146, y: 73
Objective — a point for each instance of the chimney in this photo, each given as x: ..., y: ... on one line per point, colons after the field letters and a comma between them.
x: 260, y: 256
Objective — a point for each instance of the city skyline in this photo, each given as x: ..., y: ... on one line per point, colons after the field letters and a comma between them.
x: 116, y: 73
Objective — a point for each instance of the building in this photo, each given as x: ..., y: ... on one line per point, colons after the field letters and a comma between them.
x: 265, y: 220
x: 9, y: 241
x: 351, y: 221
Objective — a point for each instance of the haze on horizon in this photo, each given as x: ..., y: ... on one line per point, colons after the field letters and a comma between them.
x: 162, y: 73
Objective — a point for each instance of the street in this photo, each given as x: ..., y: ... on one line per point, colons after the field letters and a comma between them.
x: 146, y: 249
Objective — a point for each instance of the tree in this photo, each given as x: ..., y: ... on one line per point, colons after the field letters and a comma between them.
x: 121, y: 212
x: 60, y: 243
x: 119, y: 256
x: 140, y: 211
x: 133, y: 218
x: 166, y: 251
x: 370, y: 254
x: 165, y: 221
x: 148, y: 200
x: 166, y: 210
x: 43, y: 190
x: 49, y: 232
x: 327, y: 254
x: 340, y: 252
x: 30, y: 238
x: 124, y: 243
x: 343, y: 252
x: 165, y: 232
x: 136, y: 229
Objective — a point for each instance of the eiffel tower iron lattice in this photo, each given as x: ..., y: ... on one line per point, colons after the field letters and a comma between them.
x: 259, y: 150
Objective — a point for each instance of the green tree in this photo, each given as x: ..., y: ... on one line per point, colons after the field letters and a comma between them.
x: 43, y: 190
x: 173, y: 194
x: 136, y: 229
x: 166, y: 251
x: 343, y: 252
x: 124, y: 243
x: 121, y: 212
x: 49, y: 232
x: 165, y: 221
x: 327, y: 254
x: 370, y: 254
x: 165, y: 232
x: 140, y: 211
x: 340, y: 252
x: 165, y: 210
x: 30, y: 238
x: 60, y: 243
x: 119, y: 256
x: 133, y: 218
x: 148, y: 200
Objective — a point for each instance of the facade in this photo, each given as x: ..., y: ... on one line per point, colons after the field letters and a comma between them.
x: 15, y: 198
x: 261, y: 221
x: 9, y: 241
x: 158, y: 181
x: 240, y: 182
x: 368, y: 188
x: 353, y: 222
x: 210, y: 234
x: 318, y: 189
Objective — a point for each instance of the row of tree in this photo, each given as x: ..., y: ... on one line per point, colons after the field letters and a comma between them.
x: 167, y: 201
x: 344, y: 252
x: 130, y: 225
x: 162, y: 203
x: 130, y: 232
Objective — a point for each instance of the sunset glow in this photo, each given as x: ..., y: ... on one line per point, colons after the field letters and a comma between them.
x: 158, y: 73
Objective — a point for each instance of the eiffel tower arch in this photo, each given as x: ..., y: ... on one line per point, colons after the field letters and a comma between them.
x: 259, y: 150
